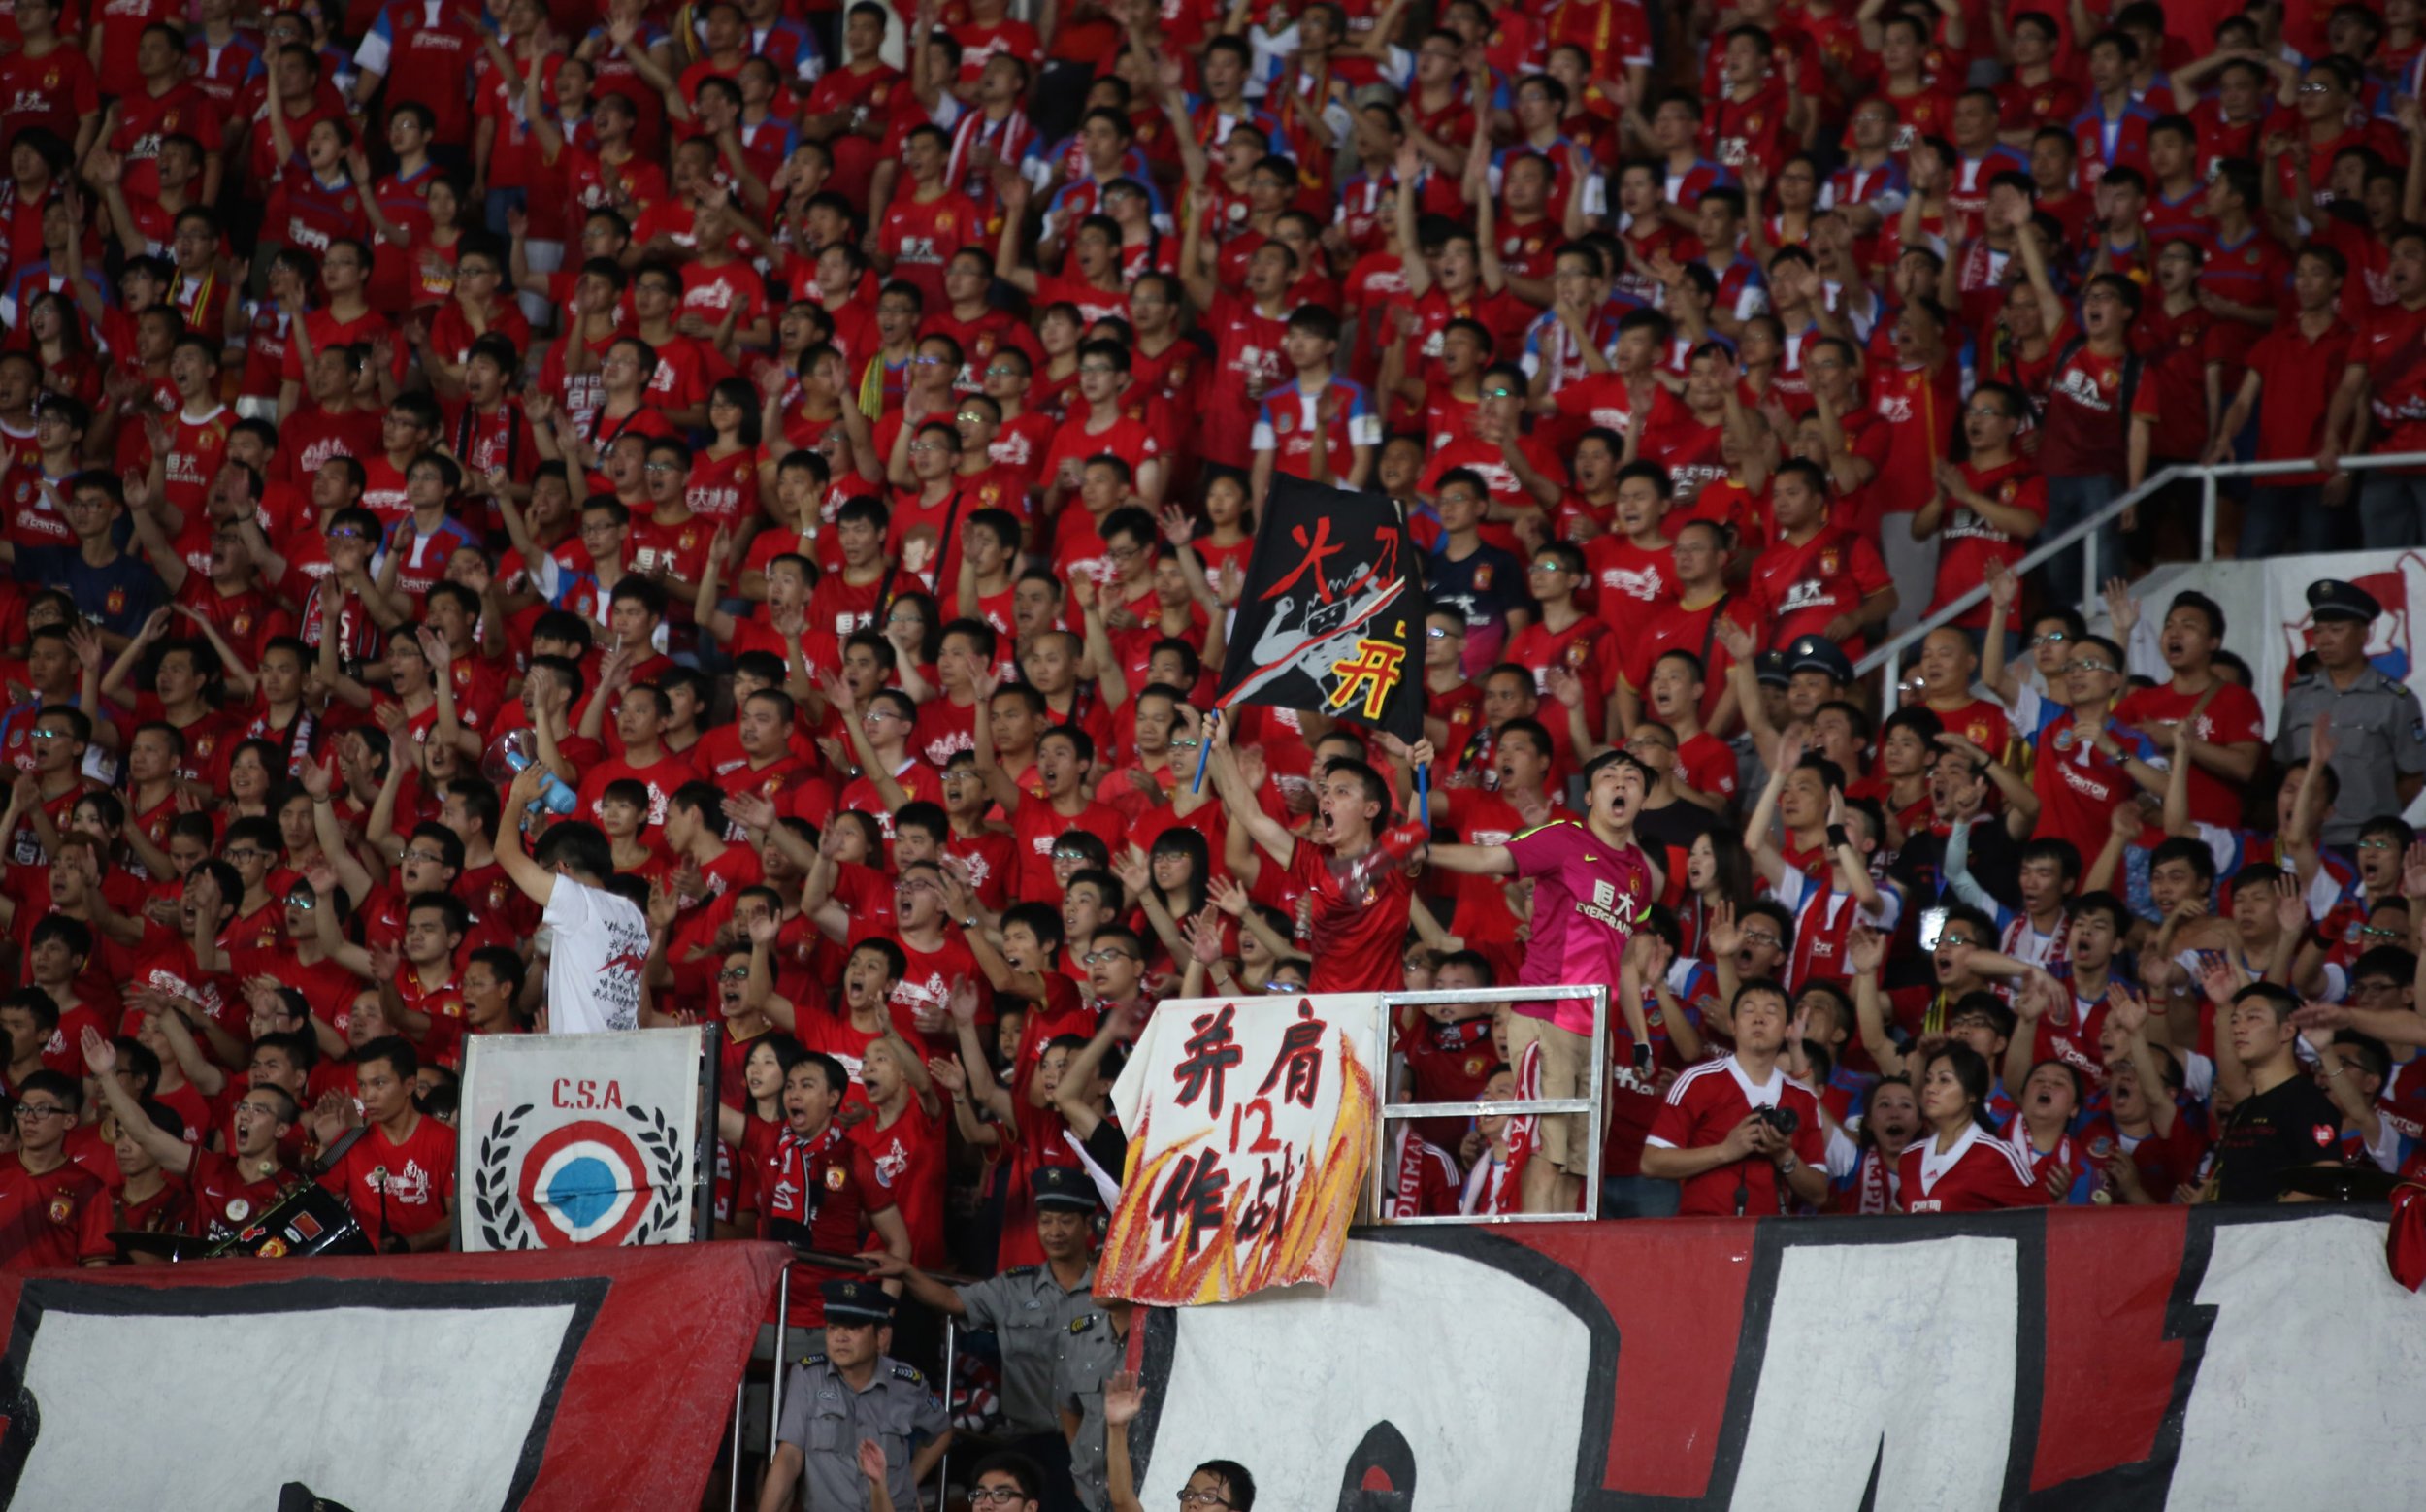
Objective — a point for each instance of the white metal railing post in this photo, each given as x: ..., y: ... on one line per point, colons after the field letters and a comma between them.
x: 1590, y: 1104
x: 2090, y: 565
x: 774, y: 1409
x: 1886, y: 652
x: 1599, y: 1100
x: 2207, y: 516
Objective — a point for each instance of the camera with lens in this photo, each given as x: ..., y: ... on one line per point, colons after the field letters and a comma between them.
x: 1785, y: 1120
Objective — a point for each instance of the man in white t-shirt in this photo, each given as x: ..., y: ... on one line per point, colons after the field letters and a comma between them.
x: 599, y: 939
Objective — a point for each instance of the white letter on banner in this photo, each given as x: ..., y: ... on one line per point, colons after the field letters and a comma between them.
x: 2301, y: 1396
x: 1407, y: 1335
x: 1909, y: 1343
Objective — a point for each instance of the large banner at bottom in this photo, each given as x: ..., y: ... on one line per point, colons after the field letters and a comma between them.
x: 2073, y: 1361
x: 547, y: 1381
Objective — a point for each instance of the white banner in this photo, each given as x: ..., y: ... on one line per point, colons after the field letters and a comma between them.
x: 571, y: 1140
x: 1250, y: 1131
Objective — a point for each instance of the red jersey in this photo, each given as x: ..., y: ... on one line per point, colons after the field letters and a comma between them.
x: 1980, y: 1174
x: 1357, y: 929
x: 1703, y: 1107
x: 1970, y: 547
x: 2231, y: 718
x: 403, y: 1186
x: 1799, y: 589
x: 53, y: 1221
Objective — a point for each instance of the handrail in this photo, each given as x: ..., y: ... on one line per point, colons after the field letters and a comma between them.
x: 1590, y: 1104
x: 1886, y: 654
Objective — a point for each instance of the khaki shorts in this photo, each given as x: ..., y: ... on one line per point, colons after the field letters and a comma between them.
x: 1559, y: 1066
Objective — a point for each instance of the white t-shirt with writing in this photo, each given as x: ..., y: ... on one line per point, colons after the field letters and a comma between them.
x: 599, y: 945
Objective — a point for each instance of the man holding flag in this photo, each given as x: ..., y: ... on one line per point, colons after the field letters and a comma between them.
x: 1593, y: 887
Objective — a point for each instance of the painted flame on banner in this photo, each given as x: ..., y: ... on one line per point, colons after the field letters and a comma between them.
x: 1139, y: 1265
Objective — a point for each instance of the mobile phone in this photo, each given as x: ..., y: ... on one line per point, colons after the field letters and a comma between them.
x: 1932, y: 925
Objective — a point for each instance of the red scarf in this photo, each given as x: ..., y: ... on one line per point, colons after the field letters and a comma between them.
x: 793, y: 1196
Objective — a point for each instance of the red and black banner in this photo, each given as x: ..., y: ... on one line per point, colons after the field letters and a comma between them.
x: 1331, y: 616
x: 2071, y: 1359
x: 548, y: 1379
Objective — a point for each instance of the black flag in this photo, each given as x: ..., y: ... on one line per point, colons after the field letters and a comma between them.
x: 1332, y: 618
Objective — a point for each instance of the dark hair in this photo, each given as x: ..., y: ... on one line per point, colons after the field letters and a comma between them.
x: 580, y: 847
x: 396, y: 1050
x: 1241, y: 1484
x: 1971, y: 1068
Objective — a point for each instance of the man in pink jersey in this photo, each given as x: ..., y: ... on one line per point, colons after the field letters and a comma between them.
x: 1592, y: 885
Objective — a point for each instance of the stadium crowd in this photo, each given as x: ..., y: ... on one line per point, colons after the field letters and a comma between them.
x: 807, y: 458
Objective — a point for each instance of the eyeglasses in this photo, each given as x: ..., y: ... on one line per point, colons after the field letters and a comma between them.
x: 929, y: 360
x: 2089, y: 665
x: 1100, y: 368
x: 1438, y: 632
x: 669, y: 467
x: 347, y: 532
x: 2051, y: 638
x: 1069, y: 855
x: 1187, y: 742
x: 1544, y: 566
x: 2377, y: 844
x: 1001, y: 369
x: 1986, y: 413
x: 1950, y: 942
x: 1762, y: 938
x: 737, y: 973
x: 426, y: 857
x: 1499, y: 391
x: 924, y: 448
x: 1206, y: 1498
x: 304, y: 901
x: 996, y: 1496
x: 36, y: 1111
x: 1123, y: 553
x: 914, y: 885
x: 1099, y: 957
x: 248, y: 853
x: 2313, y: 87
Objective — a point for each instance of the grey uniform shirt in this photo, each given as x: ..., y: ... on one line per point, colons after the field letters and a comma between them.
x: 2379, y: 733
x: 827, y: 1420
x: 1089, y: 1352
x: 1029, y: 1315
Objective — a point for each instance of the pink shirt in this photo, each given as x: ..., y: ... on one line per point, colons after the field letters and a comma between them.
x: 1588, y: 898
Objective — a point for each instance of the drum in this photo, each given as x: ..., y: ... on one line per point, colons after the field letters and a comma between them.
x: 308, y: 1219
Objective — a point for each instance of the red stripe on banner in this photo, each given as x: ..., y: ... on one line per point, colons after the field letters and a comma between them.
x: 1664, y: 1416
x: 2109, y: 1366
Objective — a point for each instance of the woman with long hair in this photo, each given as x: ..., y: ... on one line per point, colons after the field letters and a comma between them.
x: 1717, y: 871
x: 1960, y: 1165
x: 1890, y: 1125
x: 723, y: 488
x: 57, y: 331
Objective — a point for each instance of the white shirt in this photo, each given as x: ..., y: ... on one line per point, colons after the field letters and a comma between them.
x: 599, y: 943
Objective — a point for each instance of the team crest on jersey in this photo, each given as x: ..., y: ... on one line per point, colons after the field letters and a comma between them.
x: 2109, y: 378
x: 2043, y: 103
x: 2101, y: 1147
x: 1482, y: 578
x: 1474, y: 1066
x: 2324, y: 1135
x: 2008, y: 491
x: 1577, y: 653
x: 1829, y: 563
x: 63, y: 1208
x: 836, y: 1175
x: 943, y: 222
x: 242, y: 624
x: 115, y: 603
x: 2063, y: 738
x: 238, y: 1209
x: 1283, y: 423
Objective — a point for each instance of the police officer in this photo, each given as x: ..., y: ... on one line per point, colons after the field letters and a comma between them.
x: 1094, y: 1348
x: 1028, y: 1310
x: 853, y: 1393
x: 2379, y: 733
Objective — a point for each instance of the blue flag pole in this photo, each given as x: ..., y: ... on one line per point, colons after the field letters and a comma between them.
x: 1424, y: 793
x: 1204, y: 749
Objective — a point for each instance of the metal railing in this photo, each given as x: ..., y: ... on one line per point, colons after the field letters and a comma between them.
x: 2084, y: 535
x: 1592, y: 1103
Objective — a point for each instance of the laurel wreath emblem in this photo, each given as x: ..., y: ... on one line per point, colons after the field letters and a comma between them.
x: 504, y: 1226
